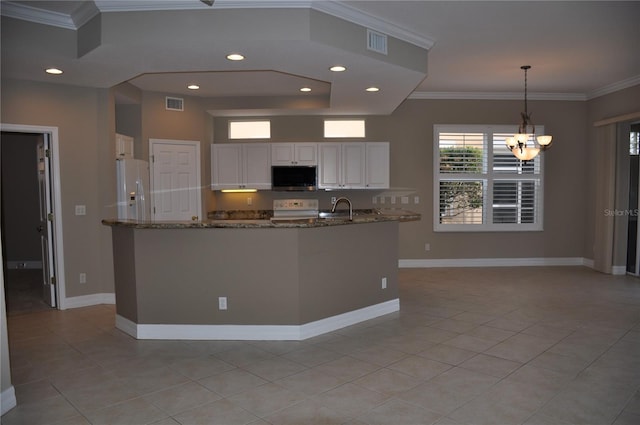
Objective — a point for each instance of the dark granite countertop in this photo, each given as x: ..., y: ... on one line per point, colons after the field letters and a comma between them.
x: 262, y: 219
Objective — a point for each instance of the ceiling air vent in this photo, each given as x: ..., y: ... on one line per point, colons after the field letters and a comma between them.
x: 376, y: 42
x: 174, y: 104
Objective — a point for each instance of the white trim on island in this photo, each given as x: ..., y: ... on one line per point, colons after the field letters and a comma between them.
x: 256, y: 332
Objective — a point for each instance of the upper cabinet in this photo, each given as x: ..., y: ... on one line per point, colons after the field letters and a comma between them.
x: 240, y: 166
x: 124, y: 146
x: 294, y: 154
x: 353, y: 165
x: 377, y: 165
x: 350, y: 165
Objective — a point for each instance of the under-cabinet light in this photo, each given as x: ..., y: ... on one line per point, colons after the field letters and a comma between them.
x: 239, y: 190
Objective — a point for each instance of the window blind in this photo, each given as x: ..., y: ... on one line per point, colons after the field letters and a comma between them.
x: 480, y: 186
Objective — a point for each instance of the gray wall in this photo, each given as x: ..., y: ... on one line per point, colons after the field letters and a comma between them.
x: 270, y: 276
x: 85, y: 121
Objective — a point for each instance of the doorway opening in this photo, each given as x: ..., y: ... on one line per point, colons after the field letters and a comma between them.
x: 31, y: 230
x: 21, y: 222
x: 633, y: 232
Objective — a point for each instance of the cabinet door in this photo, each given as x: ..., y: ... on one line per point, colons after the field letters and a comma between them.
x: 124, y: 146
x: 306, y: 153
x: 257, y: 166
x: 282, y: 154
x: 329, y: 165
x: 377, y: 165
x: 226, y: 166
x: 353, y: 165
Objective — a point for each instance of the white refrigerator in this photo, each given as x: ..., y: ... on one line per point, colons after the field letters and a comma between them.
x: 133, y: 189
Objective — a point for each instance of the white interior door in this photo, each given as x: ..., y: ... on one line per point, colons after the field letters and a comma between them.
x: 46, y: 221
x: 175, y: 180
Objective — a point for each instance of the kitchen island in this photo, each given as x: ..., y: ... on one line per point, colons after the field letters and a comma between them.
x: 254, y: 279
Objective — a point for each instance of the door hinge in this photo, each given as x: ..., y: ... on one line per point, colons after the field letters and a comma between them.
x: 47, y: 153
x: 153, y: 159
x: 53, y: 281
x: 50, y: 216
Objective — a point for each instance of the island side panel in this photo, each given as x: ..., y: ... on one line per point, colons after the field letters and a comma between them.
x: 180, y: 273
x: 341, y: 268
x: 124, y: 263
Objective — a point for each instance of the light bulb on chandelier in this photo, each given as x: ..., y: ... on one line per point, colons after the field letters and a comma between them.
x: 518, y: 144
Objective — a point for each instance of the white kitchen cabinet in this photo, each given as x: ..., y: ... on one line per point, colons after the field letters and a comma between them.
x: 354, y: 165
x: 240, y: 166
x: 377, y: 165
x: 294, y: 154
x: 124, y: 146
x: 341, y: 165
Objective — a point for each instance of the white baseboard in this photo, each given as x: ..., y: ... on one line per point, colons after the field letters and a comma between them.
x: 256, y: 332
x: 24, y: 264
x: 492, y: 262
x: 87, y: 300
x: 618, y: 270
x: 7, y: 400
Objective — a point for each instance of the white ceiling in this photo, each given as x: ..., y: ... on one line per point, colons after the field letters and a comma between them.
x: 577, y: 50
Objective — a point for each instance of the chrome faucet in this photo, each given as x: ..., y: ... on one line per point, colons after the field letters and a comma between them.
x: 335, y: 204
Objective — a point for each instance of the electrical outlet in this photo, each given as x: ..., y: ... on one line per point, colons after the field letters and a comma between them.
x: 393, y: 199
x: 427, y: 247
x: 249, y: 201
x: 81, y: 210
x: 222, y: 303
x: 384, y: 283
x: 83, y: 278
x: 416, y: 199
x: 333, y: 200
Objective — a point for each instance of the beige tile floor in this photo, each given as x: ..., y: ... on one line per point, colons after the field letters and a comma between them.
x: 469, y: 346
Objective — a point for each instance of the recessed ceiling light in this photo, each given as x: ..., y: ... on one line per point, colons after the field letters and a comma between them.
x: 193, y: 87
x: 305, y: 89
x: 54, y: 71
x: 372, y: 89
x: 235, y: 57
x: 337, y: 68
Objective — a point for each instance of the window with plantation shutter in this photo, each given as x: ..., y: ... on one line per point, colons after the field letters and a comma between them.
x: 480, y: 186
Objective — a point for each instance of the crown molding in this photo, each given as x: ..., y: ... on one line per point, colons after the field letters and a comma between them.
x: 333, y: 8
x: 614, y: 87
x: 575, y: 97
x: 90, y: 9
x: 496, y: 96
x: 348, y: 13
x: 27, y: 13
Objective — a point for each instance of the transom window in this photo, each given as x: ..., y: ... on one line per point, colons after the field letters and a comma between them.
x: 480, y: 186
x: 249, y: 129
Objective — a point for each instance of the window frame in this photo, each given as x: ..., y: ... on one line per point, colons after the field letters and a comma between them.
x: 488, y: 176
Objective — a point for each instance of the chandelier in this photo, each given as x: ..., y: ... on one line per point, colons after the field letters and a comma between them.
x: 519, y: 144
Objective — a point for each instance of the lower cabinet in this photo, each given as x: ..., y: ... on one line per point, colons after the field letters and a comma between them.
x: 240, y: 166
